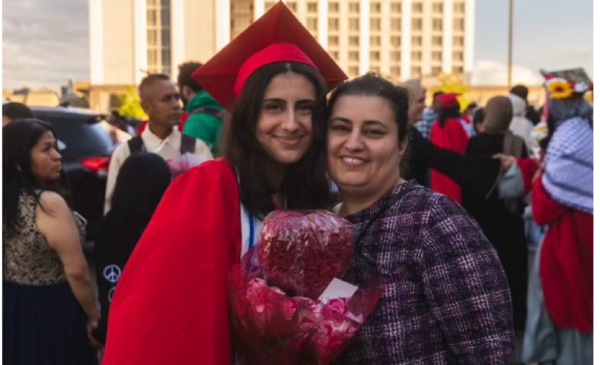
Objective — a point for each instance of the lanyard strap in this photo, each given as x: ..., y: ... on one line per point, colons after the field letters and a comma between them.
x: 251, y: 223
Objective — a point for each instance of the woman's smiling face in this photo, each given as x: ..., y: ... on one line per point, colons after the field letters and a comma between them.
x: 363, y: 150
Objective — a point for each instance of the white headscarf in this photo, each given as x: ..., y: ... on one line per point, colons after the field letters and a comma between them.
x: 520, y: 125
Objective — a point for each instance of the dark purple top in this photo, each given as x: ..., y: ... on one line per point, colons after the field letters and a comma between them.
x: 446, y: 298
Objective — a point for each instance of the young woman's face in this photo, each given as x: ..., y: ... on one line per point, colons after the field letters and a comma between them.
x: 285, y: 122
x: 362, y: 141
x: 45, y: 159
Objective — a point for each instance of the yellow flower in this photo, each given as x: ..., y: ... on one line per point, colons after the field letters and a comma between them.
x: 560, y: 89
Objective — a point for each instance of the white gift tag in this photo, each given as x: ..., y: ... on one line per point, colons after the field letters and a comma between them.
x: 337, y: 289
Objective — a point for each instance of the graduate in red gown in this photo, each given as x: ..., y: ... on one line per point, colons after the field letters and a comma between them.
x: 447, y: 132
x: 171, y: 305
x: 561, y: 324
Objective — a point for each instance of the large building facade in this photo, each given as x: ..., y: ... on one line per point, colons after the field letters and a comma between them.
x: 403, y: 39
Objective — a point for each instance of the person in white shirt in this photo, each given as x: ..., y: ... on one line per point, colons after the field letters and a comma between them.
x: 161, y: 102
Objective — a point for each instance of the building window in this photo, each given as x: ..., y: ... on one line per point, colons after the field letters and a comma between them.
x: 436, y: 70
x: 416, y: 56
x: 354, y: 7
x: 334, y: 24
x: 311, y: 7
x: 417, y: 8
x: 333, y: 40
x: 354, y: 41
x: 396, y: 41
x: 396, y: 23
x: 334, y: 7
x: 458, y: 41
x: 438, y: 24
x: 438, y: 8
x: 292, y: 6
x: 152, y: 37
x: 375, y: 41
x: 353, y: 70
x: 417, y: 24
x: 457, y: 56
x: 436, y: 56
x: 415, y: 71
x: 151, y: 2
x: 457, y: 70
x: 395, y: 56
x: 353, y: 56
x: 152, y: 57
x: 417, y: 41
x: 354, y: 24
x: 437, y: 41
x: 459, y: 8
x: 375, y: 56
x: 335, y: 55
x: 459, y: 24
x: 375, y: 24
x: 312, y: 24
x: 375, y: 8
x: 165, y: 38
x: 396, y: 7
x: 151, y: 17
x: 395, y: 71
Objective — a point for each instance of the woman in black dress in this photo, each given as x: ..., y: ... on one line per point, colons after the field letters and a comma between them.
x: 502, y: 219
x: 48, y: 302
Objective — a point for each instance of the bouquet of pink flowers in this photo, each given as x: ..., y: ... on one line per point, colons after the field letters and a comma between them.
x: 287, y: 305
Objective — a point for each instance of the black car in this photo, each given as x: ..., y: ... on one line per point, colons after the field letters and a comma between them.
x: 86, y: 141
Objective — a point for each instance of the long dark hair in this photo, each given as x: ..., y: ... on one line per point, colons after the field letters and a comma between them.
x: 141, y: 183
x: 16, y: 173
x: 452, y: 112
x: 18, y: 139
x: 305, y: 184
x: 374, y: 85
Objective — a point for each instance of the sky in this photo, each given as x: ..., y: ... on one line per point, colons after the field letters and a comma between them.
x: 46, y: 42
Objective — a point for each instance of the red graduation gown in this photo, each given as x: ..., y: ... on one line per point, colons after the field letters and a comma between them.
x: 566, y: 261
x: 453, y: 137
x: 170, y: 306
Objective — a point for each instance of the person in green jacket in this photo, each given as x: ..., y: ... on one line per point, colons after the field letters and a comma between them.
x: 205, y: 114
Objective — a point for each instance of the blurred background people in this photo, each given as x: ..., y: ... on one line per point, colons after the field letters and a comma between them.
x: 430, y: 115
x: 520, y: 125
x: 161, y: 102
x: 501, y: 219
x: 448, y: 133
x: 478, y: 118
x: 48, y: 301
x: 142, y: 180
x: 523, y: 92
x: 205, y: 115
x: 560, y: 315
x: 12, y: 111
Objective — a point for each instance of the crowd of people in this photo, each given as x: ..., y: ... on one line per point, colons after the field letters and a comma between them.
x: 444, y: 204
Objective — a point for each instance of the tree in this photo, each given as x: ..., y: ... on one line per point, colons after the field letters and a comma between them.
x: 130, y: 104
x: 454, y: 84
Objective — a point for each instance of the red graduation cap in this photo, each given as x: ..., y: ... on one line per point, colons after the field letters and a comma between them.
x: 276, y: 37
x: 449, y: 100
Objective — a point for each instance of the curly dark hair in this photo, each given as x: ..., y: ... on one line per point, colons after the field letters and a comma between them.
x: 185, y: 76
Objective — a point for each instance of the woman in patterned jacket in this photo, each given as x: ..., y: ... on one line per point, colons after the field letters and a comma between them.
x: 446, y: 298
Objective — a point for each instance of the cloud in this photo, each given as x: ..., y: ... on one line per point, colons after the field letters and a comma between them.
x: 490, y: 73
x: 44, y: 43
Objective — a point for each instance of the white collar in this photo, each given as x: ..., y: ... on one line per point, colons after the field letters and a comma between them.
x: 153, y: 142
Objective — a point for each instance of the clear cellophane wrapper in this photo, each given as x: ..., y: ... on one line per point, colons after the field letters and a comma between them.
x: 276, y: 315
